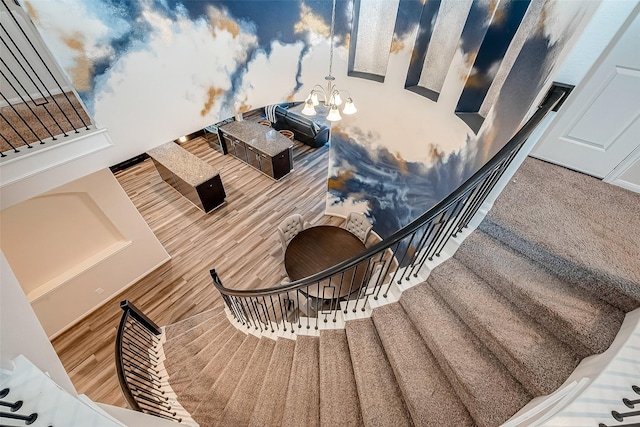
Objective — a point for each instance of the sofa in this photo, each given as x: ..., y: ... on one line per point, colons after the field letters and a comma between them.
x: 304, y: 129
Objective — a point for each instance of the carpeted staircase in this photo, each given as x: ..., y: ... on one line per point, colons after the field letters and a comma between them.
x: 543, y: 283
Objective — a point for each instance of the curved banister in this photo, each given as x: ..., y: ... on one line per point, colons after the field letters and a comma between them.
x: 441, y: 217
x: 142, y: 318
x: 120, y: 369
x: 137, y: 357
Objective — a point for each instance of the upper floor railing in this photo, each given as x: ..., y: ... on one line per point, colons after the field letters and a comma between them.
x: 309, y: 302
x: 37, y: 104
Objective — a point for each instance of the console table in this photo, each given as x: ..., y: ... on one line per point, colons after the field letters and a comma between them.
x: 194, y: 178
x: 260, y: 146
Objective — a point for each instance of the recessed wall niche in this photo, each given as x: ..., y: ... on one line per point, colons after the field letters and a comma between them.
x: 52, y: 238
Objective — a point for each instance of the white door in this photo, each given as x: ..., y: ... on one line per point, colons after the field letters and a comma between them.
x: 599, y: 125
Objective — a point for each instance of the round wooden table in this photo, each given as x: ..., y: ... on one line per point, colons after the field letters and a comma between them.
x: 317, y: 248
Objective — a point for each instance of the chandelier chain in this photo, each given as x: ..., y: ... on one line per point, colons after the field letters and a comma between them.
x: 333, y: 21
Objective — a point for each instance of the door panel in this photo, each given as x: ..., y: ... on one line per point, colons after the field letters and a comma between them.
x: 597, y: 128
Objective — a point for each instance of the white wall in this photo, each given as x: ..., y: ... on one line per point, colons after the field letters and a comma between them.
x: 43, y: 229
x: 45, y: 167
x: 604, y: 24
x: 69, y: 295
x: 21, y: 332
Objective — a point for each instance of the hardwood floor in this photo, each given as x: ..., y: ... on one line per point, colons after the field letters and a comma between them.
x: 239, y: 240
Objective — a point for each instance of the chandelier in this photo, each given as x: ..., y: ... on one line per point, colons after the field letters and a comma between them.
x: 331, y: 96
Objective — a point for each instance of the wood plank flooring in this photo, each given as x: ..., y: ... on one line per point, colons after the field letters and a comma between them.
x: 239, y: 240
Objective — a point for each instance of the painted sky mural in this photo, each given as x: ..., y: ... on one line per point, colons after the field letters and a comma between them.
x: 460, y: 78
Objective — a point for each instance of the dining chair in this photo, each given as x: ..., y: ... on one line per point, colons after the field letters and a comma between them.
x: 289, y: 228
x: 359, y: 225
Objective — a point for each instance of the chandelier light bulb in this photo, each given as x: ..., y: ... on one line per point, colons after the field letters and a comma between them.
x: 349, y: 107
x: 337, y: 100
x: 334, y: 114
x: 314, y: 99
x: 308, y: 109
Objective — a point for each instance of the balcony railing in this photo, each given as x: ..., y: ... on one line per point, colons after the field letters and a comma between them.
x: 37, y: 105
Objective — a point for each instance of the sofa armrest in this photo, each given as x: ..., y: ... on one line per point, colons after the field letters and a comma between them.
x: 322, y: 137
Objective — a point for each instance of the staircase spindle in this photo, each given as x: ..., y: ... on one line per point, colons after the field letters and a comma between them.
x: 28, y: 419
x: 630, y: 403
x: 12, y: 406
x: 620, y: 425
x: 621, y: 416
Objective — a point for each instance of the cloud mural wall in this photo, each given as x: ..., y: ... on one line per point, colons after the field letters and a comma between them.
x: 150, y: 71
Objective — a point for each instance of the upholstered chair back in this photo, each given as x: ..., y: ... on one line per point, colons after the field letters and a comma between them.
x: 358, y: 225
x: 289, y: 228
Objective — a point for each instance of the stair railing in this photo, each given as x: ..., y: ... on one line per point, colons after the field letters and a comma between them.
x: 34, y: 106
x: 306, y: 303
x: 137, y: 354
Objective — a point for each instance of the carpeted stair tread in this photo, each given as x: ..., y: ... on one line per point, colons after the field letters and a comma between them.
x: 176, y: 329
x: 378, y: 392
x: 427, y: 392
x: 269, y: 406
x: 536, y: 358
x: 192, y: 394
x: 489, y: 392
x: 572, y: 314
x: 179, y: 354
x: 571, y: 227
x: 338, y: 392
x: 302, y: 404
x: 180, y: 379
x: 211, y: 407
x: 193, y: 333
x: 240, y: 406
x: 602, y: 285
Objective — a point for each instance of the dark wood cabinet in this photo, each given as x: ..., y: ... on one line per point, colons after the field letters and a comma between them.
x: 213, y: 139
x: 253, y: 158
x: 239, y: 149
x: 211, y: 193
x: 281, y: 164
x: 266, y: 166
x: 261, y: 147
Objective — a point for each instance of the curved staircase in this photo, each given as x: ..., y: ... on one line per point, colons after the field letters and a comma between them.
x: 543, y: 282
x: 456, y: 350
x: 490, y: 329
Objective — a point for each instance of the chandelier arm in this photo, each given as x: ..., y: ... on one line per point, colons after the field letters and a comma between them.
x: 318, y: 87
